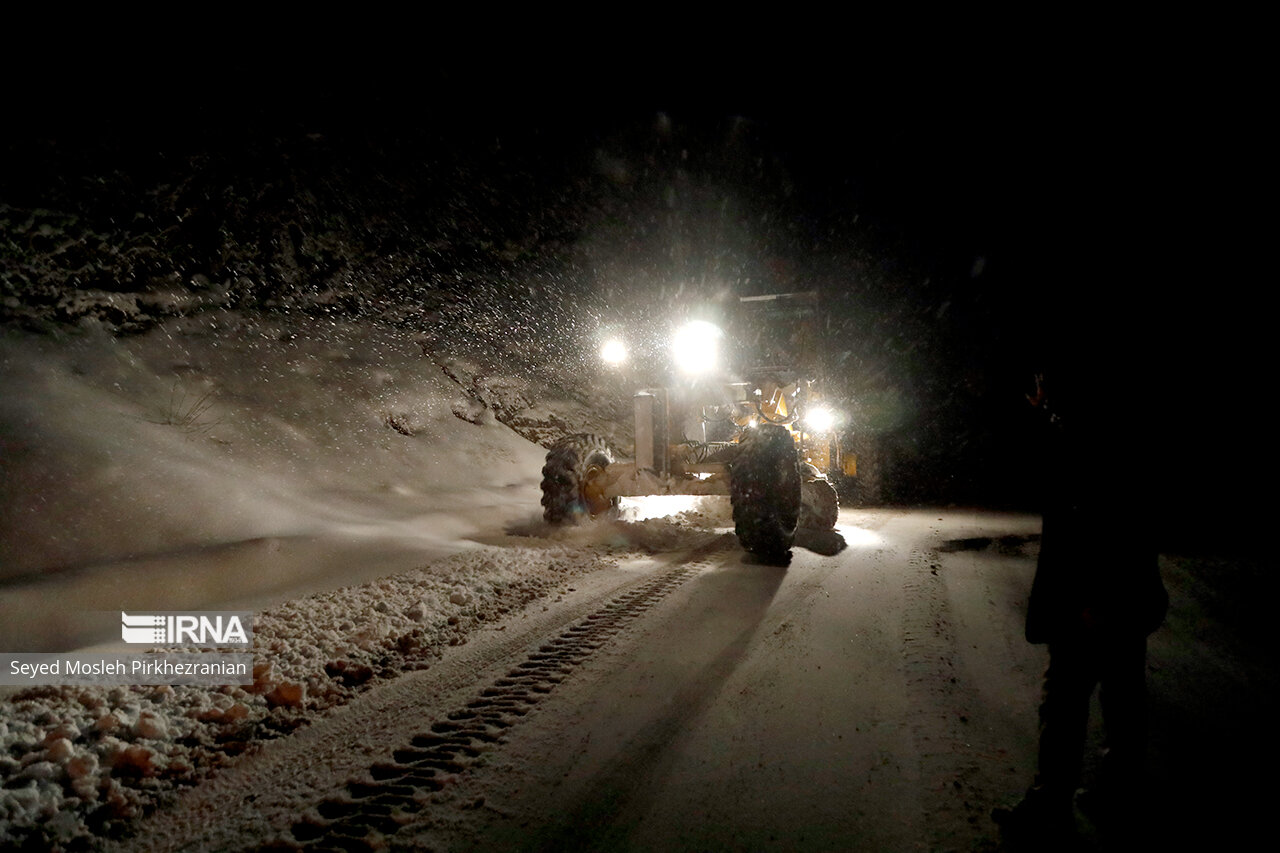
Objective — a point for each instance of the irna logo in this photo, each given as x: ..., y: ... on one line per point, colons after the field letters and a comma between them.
x: 206, y: 629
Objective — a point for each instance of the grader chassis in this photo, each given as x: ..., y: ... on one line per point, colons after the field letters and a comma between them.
x: 754, y: 436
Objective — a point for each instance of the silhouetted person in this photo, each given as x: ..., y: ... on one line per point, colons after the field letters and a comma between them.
x: 1096, y: 596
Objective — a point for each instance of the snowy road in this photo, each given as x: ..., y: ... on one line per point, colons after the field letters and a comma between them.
x: 829, y: 705
x: 875, y: 694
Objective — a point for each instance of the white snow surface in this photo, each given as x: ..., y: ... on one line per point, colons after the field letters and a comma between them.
x: 233, y: 460
x: 328, y: 476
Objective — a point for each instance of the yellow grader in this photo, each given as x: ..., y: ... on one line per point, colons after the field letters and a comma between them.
x: 759, y: 432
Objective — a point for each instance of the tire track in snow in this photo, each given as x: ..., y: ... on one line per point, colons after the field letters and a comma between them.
x: 942, y: 704
x: 403, y: 788
x: 260, y: 798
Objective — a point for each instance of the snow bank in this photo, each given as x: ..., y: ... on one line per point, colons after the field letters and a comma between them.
x: 217, y: 457
x: 221, y: 427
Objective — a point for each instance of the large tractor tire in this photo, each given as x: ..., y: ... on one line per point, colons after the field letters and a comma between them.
x: 819, y: 506
x: 764, y: 487
x: 573, y: 479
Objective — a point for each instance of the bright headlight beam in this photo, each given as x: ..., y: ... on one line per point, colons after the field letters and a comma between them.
x: 696, y: 347
x: 613, y: 351
x: 820, y: 419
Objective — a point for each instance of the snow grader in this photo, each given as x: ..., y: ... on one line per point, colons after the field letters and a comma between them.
x: 760, y: 432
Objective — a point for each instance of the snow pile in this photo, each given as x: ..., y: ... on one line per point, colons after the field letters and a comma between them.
x: 652, y: 536
x: 649, y: 525
x: 694, y: 510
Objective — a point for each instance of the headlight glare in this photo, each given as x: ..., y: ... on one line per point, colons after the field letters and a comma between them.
x: 696, y: 347
x: 613, y: 351
x: 819, y: 419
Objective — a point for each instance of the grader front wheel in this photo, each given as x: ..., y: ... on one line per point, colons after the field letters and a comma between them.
x: 764, y: 487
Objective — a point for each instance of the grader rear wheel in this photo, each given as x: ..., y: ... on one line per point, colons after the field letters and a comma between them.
x: 573, y: 479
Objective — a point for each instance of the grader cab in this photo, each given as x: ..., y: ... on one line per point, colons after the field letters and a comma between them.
x: 758, y: 431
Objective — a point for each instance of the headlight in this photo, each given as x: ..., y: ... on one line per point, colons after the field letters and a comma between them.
x: 696, y: 347
x: 613, y: 351
x: 819, y: 419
